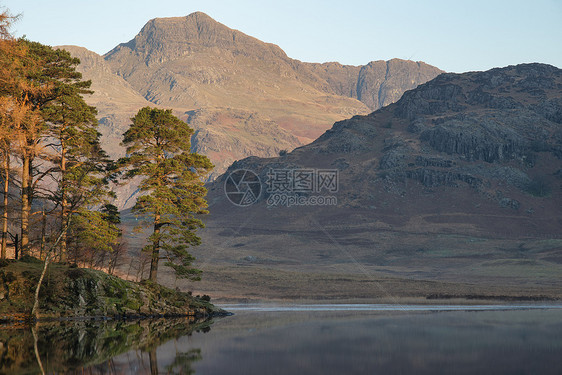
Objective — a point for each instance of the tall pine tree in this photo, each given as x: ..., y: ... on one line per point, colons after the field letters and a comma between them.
x: 159, y: 150
x: 79, y: 161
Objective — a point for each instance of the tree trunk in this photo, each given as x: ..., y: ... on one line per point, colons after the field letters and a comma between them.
x: 25, y: 204
x: 155, y: 250
x: 5, y: 213
x: 35, y: 309
x: 36, y: 347
x: 64, y: 207
x: 16, y: 246
x: 43, y: 233
x: 153, y: 358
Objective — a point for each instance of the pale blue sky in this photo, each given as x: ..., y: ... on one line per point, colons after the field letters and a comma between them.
x: 453, y: 35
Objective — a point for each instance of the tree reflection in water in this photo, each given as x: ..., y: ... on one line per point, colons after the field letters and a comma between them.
x: 97, y: 347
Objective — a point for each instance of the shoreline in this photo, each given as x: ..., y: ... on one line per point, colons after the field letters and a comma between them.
x: 27, y: 319
x: 421, y: 301
x: 273, y: 307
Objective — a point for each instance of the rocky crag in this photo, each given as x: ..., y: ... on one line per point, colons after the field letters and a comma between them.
x: 495, y: 134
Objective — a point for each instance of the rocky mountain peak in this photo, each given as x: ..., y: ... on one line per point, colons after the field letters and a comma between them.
x: 164, y: 39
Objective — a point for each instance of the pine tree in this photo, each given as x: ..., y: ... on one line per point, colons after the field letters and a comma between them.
x: 79, y: 161
x: 21, y: 121
x: 158, y: 149
x: 63, y: 134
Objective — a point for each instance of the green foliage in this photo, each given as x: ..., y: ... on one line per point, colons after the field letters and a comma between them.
x: 111, y: 213
x: 158, y: 149
x: 71, y: 125
x: 94, y: 230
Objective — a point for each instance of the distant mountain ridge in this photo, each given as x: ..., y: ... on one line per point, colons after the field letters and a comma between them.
x: 163, y: 40
x: 194, y: 64
x: 378, y: 83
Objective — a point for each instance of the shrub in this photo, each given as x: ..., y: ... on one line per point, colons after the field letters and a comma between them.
x: 29, y: 259
x: 538, y: 187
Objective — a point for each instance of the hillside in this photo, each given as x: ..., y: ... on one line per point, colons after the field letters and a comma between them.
x: 460, y: 181
x: 195, y: 62
x: 225, y: 135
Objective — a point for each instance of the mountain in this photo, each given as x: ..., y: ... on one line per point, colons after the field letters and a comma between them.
x: 244, y: 97
x: 454, y: 190
x: 195, y: 62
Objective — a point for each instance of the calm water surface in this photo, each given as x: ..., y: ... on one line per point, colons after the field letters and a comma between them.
x: 340, y: 339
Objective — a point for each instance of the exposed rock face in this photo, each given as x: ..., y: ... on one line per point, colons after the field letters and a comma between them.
x: 470, y: 144
x: 502, y: 114
x: 226, y: 135
x: 476, y: 140
x: 378, y: 83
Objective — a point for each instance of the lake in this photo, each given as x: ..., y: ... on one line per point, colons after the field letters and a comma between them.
x: 303, y: 339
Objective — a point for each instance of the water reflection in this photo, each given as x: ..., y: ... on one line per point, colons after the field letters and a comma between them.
x: 304, y: 340
x: 97, y: 347
x: 384, y: 342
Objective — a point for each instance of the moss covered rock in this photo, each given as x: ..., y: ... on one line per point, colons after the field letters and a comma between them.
x: 76, y: 292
